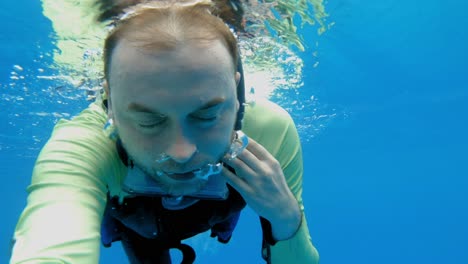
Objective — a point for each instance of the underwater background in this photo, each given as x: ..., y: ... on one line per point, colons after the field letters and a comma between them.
x: 382, y: 113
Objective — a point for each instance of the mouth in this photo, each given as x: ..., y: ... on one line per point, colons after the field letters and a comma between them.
x: 202, y: 173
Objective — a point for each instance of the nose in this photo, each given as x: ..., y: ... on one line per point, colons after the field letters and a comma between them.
x: 181, y: 149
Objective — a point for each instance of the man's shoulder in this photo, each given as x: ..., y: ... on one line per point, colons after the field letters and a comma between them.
x: 272, y: 127
x: 87, y: 126
x: 264, y: 114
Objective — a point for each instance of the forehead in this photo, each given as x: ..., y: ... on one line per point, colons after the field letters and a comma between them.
x: 184, y: 58
x: 164, y: 76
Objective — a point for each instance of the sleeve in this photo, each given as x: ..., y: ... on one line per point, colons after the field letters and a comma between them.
x: 273, y: 128
x: 67, y: 195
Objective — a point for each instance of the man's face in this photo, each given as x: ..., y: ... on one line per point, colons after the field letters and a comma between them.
x: 179, y: 104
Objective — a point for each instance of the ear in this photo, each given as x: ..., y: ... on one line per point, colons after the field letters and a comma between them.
x: 105, y: 85
x: 238, y: 77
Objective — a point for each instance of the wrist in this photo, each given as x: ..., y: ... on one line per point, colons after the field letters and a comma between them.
x: 287, y: 226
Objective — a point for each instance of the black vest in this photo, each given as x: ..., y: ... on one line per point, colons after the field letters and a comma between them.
x: 147, y: 217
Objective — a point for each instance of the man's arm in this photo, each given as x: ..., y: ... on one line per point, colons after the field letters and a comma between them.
x: 67, y: 196
x: 273, y: 128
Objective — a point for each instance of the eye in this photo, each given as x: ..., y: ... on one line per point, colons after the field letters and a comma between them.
x: 151, y: 123
x: 206, y: 118
x: 208, y: 115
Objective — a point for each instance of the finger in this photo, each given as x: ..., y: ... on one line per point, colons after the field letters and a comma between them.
x: 235, y: 181
x: 242, y: 169
x: 258, y: 150
x: 245, y: 161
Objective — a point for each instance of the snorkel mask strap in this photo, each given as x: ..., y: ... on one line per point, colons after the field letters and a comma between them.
x: 240, y: 95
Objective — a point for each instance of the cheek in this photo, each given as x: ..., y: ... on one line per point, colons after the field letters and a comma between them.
x: 142, y: 149
x: 215, y: 140
x: 136, y: 143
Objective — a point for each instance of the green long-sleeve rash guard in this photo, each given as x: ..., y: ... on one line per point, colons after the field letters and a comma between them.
x: 79, y: 165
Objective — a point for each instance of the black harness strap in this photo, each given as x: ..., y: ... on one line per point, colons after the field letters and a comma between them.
x: 187, y: 252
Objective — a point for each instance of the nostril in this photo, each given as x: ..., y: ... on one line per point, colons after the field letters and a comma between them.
x: 181, y: 153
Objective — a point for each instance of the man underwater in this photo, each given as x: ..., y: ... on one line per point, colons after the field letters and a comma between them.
x: 172, y: 160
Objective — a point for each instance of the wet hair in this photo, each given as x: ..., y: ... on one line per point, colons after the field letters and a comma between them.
x: 230, y: 11
x: 110, y: 9
x: 165, y: 25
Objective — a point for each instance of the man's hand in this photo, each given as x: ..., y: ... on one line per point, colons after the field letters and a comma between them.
x: 261, y: 182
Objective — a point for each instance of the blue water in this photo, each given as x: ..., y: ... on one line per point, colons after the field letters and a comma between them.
x: 386, y: 179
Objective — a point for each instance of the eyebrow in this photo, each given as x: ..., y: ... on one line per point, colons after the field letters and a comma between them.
x: 135, y: 107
